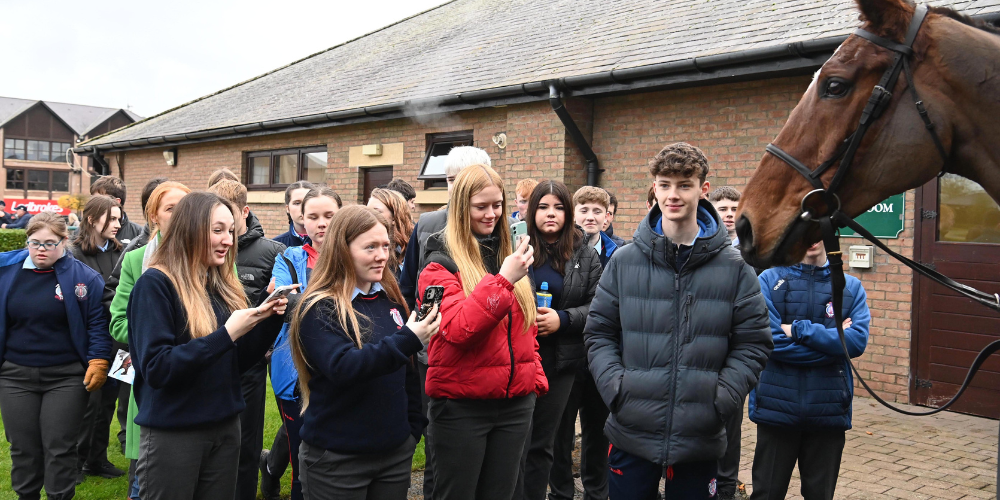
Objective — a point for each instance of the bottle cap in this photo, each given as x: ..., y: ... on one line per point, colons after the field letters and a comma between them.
x: 545, y: 285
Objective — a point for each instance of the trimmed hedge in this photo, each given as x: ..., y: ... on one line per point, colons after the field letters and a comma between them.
x: 12, y: 239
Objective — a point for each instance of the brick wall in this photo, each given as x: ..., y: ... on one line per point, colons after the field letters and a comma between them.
x: 731, y: 123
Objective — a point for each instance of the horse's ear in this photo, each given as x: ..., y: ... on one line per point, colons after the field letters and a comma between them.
x: 886, y: 18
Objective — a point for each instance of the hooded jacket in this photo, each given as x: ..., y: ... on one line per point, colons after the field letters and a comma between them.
x: 676, y: 338
x: 88, y: 323
x: 255, y: 259
x: 807, y: 382
x: 129, y: 230
x: 580, y: 276
x: 480, y: 351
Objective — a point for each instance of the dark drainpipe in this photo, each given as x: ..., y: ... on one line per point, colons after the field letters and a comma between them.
x: 575, y: 134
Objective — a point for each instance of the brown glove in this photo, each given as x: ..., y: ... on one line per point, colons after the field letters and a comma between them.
x: 97, y: 374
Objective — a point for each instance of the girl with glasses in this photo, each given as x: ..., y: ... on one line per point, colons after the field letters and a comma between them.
x: 53, y: 336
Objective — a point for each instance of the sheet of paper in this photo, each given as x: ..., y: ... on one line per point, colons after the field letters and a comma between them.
x: 121, y: 367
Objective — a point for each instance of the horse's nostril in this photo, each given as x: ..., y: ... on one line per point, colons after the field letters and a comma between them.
x: 745, y: 232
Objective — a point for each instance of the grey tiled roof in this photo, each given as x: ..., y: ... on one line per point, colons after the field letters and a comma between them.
x: 80, y: 118
x: 468, y: 45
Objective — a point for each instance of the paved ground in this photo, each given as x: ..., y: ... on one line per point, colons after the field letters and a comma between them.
x: 887, y: 456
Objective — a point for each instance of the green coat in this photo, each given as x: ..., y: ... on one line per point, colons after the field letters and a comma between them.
x: 131, y: 270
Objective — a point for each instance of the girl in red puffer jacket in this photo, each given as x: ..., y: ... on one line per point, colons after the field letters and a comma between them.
x: 484, y: 371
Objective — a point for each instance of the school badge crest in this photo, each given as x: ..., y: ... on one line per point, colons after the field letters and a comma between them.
x: 829, y: 309
x: 398, y: 318
x: 59, y: 295
x: 81, y: 291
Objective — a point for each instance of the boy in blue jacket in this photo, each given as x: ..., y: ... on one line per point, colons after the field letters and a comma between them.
x: 802, y: 405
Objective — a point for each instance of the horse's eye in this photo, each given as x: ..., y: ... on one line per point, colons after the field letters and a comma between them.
x: 836, y: 88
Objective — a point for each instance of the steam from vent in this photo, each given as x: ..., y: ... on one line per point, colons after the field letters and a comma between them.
x: 429, y: 113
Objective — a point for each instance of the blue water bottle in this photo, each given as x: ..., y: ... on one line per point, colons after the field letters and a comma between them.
x: 542, y: 297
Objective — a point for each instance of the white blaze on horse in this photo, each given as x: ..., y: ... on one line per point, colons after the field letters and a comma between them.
x: 955, y: 63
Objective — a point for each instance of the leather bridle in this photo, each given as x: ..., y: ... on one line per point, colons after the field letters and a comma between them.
x: 832, y: 219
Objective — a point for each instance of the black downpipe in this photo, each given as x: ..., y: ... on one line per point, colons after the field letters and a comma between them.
x: 574, y: 132
x: 103, y: 167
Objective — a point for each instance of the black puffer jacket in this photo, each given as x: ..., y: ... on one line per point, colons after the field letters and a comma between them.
x: 580, y: 276
x: 674, y: 354
x: 111, y: 282
x: 129, y: 230
x: 255, y: 259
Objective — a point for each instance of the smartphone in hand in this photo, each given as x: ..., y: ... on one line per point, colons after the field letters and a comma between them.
x: 279, y: 292
x: 518, y: 230
x: 432, y: 295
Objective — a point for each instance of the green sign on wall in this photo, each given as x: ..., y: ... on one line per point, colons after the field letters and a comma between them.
x: 884, y: 220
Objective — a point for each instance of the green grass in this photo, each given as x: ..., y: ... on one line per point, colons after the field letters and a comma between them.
x: 96, y: 488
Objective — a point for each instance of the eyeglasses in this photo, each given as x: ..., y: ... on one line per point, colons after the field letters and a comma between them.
x: 35, y: 245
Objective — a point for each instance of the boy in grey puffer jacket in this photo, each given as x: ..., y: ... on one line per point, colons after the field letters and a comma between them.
x: 677, y: 335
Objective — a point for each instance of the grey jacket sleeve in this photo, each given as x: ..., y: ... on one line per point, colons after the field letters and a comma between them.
x: 578, y: 315
x: 750, y: 344
x: 602, y: 336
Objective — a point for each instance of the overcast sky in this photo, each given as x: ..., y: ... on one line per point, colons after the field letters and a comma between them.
x: 152, y: 56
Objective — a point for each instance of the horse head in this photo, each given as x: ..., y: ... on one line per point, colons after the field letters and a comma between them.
x: 956, y: 70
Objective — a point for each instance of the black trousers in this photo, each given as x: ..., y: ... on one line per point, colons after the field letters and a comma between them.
x: 92, y: 447
x: 42, y: 409
x: 327, y: 474
x: 428, y: 447
x: 197, y: 463
x: 818, y: 453
x: 478, y: 445
x: 251, y: 430
x: 536, y: 461
x: 584, y: 399
x: 729, y: 464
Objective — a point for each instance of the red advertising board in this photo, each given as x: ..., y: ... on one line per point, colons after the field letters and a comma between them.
x: 36, y: 206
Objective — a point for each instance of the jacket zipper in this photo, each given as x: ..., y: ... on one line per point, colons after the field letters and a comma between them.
x: 510, y: 347
x: 673, y: 372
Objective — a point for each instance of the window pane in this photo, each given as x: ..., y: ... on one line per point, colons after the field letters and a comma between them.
x: 15, y: 179
x: 59, y: 151
x: 435, y: 162
x: 38, y: 180
x: 434, y: 166
x: 259, y: 168
x: 33, y: 150
x: 315, y: 167
x: 60, y: 181
x: 10, y: 151
x: 966, y: 213
x: 43, y: 150
x: 287, y: 169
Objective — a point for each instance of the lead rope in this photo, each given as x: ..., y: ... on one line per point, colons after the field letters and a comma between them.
x: 836, y: 263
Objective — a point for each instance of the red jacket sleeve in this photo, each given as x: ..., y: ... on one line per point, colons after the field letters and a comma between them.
x: 541, y: 381
x: 467, y: 320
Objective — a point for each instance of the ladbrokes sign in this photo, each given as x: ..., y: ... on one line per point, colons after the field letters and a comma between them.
x: 36, y: 206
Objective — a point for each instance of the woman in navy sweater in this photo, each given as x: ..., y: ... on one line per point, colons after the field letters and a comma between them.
x: 361, y: 397
x: 53, y: 336
x: 191, y: 335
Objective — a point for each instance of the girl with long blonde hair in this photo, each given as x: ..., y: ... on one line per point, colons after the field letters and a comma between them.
x: 484, y: 371
x: 353, y: 355
x: 191, y: 335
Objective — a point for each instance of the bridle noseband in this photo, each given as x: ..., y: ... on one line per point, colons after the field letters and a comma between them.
x: 833, y: 219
